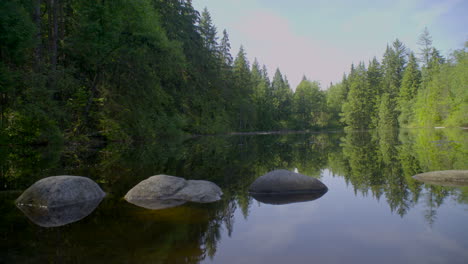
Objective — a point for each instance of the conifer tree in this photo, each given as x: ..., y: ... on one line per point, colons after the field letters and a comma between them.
x: 409, y: 88
x: 359, y: 104
x: 243, y: 91
x: 374, y: 76
x: 225, y: 49
x: 208, y: 31
x: 393, y: 66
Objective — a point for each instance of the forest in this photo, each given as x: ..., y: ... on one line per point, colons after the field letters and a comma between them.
x: 130, y: 71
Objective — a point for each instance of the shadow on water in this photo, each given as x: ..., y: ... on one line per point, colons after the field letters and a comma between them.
x: 376, y: 165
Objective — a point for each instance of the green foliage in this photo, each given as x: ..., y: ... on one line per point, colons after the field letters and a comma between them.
x: 408, y: 91
x: 281, y: 100
x: 308, y: 105
x: 443, y: 101
x: 397, y: 93
x: 335, y: 96
x: 137, y: 70
x: 360, y: 101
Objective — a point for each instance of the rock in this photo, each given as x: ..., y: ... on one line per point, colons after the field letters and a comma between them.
x: 278, y: 199
x: 160, y: 187
x: 59, y: 216
x: 60, y: 200
x: 58, y: 191
x: 164, y: 191
x: 446, y: 178
x: 199, y: 192
x: 284, y: 181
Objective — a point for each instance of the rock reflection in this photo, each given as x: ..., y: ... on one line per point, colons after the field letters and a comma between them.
x: 156, y: 204
x: 279, y: 199
x: 58, y: 216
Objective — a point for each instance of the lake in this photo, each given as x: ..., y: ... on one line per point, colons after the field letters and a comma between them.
x: 373, y: 212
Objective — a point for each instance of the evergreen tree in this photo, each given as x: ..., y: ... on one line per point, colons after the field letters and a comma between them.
x: 393, y: 66
x: 360, y: 101
x: 425, y: 41
x: 244, y: 91
x: 409, y: 88
x: 208, y: 31
x: 281, y: 100
x: 225, y: 49
x: 374, y: 76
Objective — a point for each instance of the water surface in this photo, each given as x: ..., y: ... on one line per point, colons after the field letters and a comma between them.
x: 373, y: 211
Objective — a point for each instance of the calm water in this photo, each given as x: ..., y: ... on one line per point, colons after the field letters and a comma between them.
x: 374, y: 212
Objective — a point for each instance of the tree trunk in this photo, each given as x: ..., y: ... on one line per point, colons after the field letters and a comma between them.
x: 55, y: 34
x: 37, y: 21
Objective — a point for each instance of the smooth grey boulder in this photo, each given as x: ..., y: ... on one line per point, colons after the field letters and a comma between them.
x: 156, y: 187
x: 200, y: 192
x: 446, y: 178
x: 164, y: 191
x: 284, y: 181
x: 59, y: 216
x: 57, y: 191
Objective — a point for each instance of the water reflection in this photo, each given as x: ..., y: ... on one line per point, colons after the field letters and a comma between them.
x: 376, y: 166
x: 287, y: 198
x: 59, y: 216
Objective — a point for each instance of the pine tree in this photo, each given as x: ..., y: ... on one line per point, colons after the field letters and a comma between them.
x: 281, y: 99
x: 409, y: 88
x: 225, y: 49
x: 265, y: 75
x: 243, y: 91
x: 374, y: 76
x: 359, y: 105
x: 208, y: 31
x: 425, y: 41
x: 393, y: 66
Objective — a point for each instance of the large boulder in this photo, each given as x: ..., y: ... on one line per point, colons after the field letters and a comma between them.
x: 60, y: 200
x: 284, y: 181
x: 446, y: 178
x: 59, y: 191
x: 199, y: 191
x: 164, y: 191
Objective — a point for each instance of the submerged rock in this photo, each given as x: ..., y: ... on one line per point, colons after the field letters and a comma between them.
x: 59, y: 191
x: 446, y: 178
x: 284, y: 181
x: 59, y: 200
x: 164, y: 191
x: 278, y: 199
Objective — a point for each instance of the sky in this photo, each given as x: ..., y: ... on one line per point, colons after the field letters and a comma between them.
x: 321, y: 38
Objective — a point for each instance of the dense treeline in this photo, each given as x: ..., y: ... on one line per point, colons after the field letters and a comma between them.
x: 403, y: 91
x: 130, y: 70
x: 133, y: 70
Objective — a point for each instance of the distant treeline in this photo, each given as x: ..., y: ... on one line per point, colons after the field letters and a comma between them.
x: 132, y: 70
x: 399, y: 92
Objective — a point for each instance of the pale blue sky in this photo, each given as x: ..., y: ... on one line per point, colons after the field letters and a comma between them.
x: 321, y: 38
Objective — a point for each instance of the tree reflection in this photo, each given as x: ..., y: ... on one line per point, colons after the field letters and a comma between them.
x: 378, y: 163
